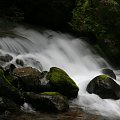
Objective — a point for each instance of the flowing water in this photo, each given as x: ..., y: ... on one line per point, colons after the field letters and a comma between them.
x: 75, y: 56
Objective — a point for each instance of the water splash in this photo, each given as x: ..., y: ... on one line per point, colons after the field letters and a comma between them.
x: 61, y: 50
x: 27, y: 108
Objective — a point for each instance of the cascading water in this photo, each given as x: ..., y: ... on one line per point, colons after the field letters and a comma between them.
x: 48, y: 49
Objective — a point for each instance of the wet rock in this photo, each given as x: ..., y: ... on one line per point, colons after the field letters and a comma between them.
x: 2, y: 63
x: 62, y: 83
x: 8, y: 72
x: 108, y: 72
x: 2, y: 105
x: 9, y: 68
x: 47, y: 101
x: 75, y: 113
x: 7, y: 104
x: 34, y: 62
x: 1, y: 68
x: 105, y: 87
x: 6, y: 58
x: 19, y: 62
x: 31, y: 79
x: 8, y: 90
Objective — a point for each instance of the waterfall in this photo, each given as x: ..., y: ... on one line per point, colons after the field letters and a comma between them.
x: 46, y: 49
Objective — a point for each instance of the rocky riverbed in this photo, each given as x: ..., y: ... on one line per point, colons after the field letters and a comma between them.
x: 74, y: 113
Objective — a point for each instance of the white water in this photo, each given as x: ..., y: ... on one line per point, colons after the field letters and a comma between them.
x: 64, y: 51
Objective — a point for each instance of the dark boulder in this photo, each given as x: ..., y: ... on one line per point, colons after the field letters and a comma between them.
x: 7, y: 104
x: 8, y: 90
x: 2, y: 63
x: 31, y: 79
x: 20, y: 62
x: 2, y: 105
x: 8, y: 72
x: 108, y: 72
x: 9, y: 68
x: 6, y: 58
x: 47, y: 101
x: 50, y: 13
x: 105, y: 87
x: 62, y: 83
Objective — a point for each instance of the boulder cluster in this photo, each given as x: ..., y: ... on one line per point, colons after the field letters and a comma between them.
x: 47, y: 91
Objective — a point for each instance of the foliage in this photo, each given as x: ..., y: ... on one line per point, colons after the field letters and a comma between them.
x: 101, y: 17
x: 11, y: 13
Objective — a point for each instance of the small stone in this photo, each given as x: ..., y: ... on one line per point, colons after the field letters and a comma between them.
x: 19, y: 62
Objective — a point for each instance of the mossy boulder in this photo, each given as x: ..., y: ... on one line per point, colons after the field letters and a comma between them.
x: 31, y: 80
x: 47, y: 101
x: 62, y: 83
x: 105, y: 87
x: 108, y: 72
x: 8, y: 90
x: 50, y: 93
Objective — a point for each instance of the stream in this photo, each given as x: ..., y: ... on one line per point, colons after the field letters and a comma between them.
x: 46, y: 49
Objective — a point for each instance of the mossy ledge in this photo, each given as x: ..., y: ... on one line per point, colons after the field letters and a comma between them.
x: 50, y: 93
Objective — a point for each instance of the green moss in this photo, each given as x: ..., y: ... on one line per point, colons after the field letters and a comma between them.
x: 58, y: 76
x: 98, y: 17
x: 102, y: 19
x: 50, y: 93
x: 6, y: 83
x: 62, y: 83
x: 1, y: 73
x: 103, y: 77
x: 10, y: 78
x: 3, y: 79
